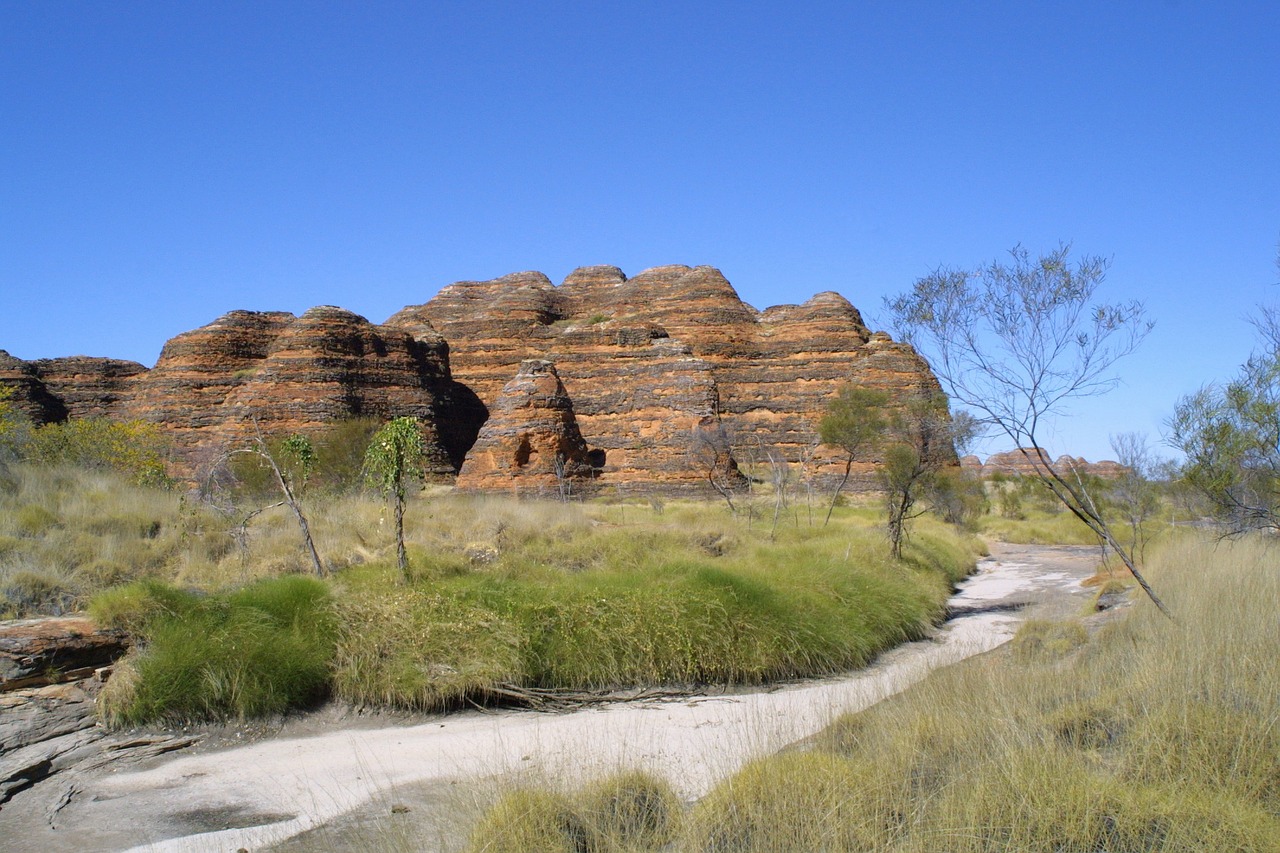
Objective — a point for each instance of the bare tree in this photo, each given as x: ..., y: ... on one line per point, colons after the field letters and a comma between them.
x: 711, y: 454
x: 1133, y: 492
x: 780, y: 479
x: 290, y: 465
x: 808, y: 449
x: 1016, y: 342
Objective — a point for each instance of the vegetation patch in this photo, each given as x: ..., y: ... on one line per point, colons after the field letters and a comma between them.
x: 609, y: 608
x: 629, y: 811
x: 261, y: 650
x: 1154, y: 736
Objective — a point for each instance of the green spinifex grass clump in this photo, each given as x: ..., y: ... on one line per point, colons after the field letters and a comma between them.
x: 624, y: 607
x: 543, y: 597
x: 260, y: 650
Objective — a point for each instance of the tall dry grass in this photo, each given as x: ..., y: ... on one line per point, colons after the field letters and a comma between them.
x: 1151, y: 735
x: 1156, y: 735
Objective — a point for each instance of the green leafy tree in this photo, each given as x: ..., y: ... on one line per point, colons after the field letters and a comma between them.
x: 1231, y: 437
x: 1015, y: 342
x: 396, y: 456
x: 919, y: 445
x: 854, y: 423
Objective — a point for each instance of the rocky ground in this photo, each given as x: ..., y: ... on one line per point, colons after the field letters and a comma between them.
x: 337, y: 779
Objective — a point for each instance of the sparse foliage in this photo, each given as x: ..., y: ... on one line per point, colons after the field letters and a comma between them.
x: 918, y: 445
x: 290, y: 464
x: 1231, y: 437
x: 1016, y: 342
x: 395, y: 456
x: 854, y: 424
x: 711, y: 454
x: 1134, y: 494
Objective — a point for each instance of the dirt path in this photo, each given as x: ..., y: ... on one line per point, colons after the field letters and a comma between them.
x: 326, y: 783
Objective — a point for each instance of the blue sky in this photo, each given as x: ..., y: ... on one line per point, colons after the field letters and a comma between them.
x: 163, y: 163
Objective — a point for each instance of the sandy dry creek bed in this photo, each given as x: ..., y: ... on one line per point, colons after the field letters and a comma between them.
x: 336, y: 779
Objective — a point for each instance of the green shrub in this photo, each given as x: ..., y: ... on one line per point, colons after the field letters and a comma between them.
x: 794, y: 801
x: 135, y: 606
x: 410, y: 647
x: 259, y: 651
x: 631, y: 810
x: 136, y: 449
x: 340, y: 451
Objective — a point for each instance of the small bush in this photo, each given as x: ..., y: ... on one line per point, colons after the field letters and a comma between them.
x: 1045, y: 640
x: 533, y: 821
x: 794, y: 801
x: 27, y: 591
x: 631, y: 811
x: 412, y: 648
x: 135, y: 606
x: 259, y: 651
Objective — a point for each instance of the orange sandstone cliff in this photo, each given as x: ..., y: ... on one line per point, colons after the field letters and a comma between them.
x: 617, y: 376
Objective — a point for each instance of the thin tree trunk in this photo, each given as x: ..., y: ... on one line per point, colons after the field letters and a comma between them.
x: 402, y: 556
x: 302, y: 519
x: 1081, y: 506
x: 848, y: 466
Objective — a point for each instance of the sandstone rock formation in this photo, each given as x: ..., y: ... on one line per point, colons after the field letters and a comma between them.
x: 1017, y: 463
x: 647, y: 359
x: 27, y: 392
x: 652, y: 364
x: 274, y: 372
x: 89, y: 387
x: 283, y: 373
x: 531, y: 442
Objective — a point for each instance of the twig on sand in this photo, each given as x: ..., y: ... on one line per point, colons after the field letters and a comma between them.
x: 560, y: 701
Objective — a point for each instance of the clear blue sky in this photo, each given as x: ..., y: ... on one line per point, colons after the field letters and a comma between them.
x: 163, y: 163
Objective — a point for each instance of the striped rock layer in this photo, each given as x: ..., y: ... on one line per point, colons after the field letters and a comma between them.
x: 649, y: 366
x: 647, y: 359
